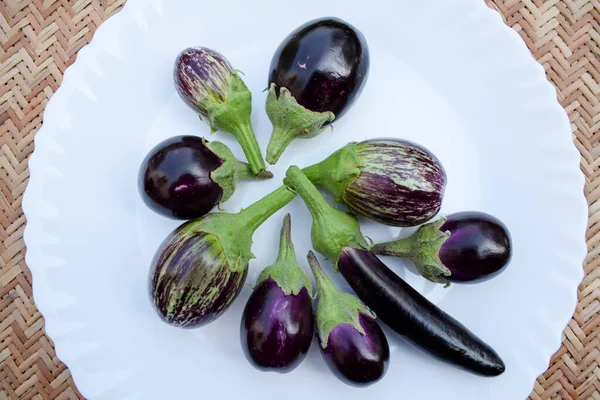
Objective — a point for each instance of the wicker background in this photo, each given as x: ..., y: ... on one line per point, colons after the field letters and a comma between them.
x: 40, y: 38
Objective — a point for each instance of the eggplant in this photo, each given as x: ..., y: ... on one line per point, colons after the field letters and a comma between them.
x: 352, y: 342
x: 184, y: 177
x: 277, y: 323
x: 200, y: 268
x: 392, y: 181
x: 206, y: 81
x: 337, y: 236
x: 316, y: 73
x: 463, y: 247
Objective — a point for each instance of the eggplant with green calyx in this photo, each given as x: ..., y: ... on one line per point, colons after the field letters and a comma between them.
x: 352, y: 342
x: 277, y: 323
x: 184, y: 177
x: 463, y: 247
x: 208, y: 84
x: 200, y: 268
x: 337, y: 236
x: 392, y: 181
x: 316, y: 74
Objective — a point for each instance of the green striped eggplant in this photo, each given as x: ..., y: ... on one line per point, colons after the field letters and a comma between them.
x: 206, y: 81
x: 392, y: 181
x: 200, y: 268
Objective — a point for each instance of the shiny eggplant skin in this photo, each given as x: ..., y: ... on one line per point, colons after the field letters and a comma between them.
x: 174, y: 178
x: 276, y: 330
x: 324, y: 64
x: 479, y: 246
x: 355, y: 358
x: 191, y: 282
x: 411, y: 315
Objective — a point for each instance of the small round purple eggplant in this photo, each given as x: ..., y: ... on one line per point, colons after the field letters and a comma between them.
x: 184, y: 177
x: 352, y: 342
x: 208, y: 84
x: 392, y: 181
x: 465, y: 246
x: 316, y: 74
x: 277, y: 323
x: 200, y: 268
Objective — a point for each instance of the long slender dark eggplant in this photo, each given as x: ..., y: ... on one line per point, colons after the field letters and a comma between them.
x: 210, y: 86
x: 352, y: 342
x: 184, y: 177
x: 463, y: 247
x: 389, y: 180
x: 200, y: 268
x: 277, y: 323
x: 337, y: 236
x: 316, y: 74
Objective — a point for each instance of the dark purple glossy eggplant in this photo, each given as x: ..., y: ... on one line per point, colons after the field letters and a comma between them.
x: 277, y: 323
x: 337, y: 236
x: 466, y: 246
x: 352, y: 343
x: 200, y: 268
x: 392, y: 181
x: 208, y: 84
x: 184, y: 177
x: 316, y: 74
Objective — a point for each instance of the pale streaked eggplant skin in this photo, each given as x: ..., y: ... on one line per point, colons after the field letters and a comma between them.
x: 192, y: 283
x: 392, y: 181
x: 202, y: 74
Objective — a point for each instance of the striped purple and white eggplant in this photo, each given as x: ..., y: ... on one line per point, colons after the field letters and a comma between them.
x: 337, y: 236
x: 200, y: 268
x: 206, y: 81
x: 462, y: 247
x: 392, y: 181
x: 277, y: 323
x: 352, y: 342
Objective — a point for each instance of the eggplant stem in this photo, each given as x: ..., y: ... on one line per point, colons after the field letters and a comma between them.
x: 249, y: 219
x: 324, y: 284
x: 247, y: 139
x: 315, y: 202
x: 245, y: 172
x: 287, y: 254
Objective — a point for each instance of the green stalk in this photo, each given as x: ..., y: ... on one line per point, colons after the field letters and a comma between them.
x: 334, y: 307
x: 286, y: 272
x: 331, y: 229
x: 249, y: 219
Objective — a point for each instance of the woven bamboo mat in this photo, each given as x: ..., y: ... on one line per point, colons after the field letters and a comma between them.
x: 40, y: 38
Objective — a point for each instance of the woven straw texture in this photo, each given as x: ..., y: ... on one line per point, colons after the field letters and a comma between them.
x: 40, y: 38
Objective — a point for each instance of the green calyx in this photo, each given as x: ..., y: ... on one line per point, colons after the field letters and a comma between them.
x: 234, y: 231
x: 334, y: 307
x: 227, y: 175
x: 422, y: 248
x: 286, y: 272
x: 331, y: 229
x: 338, y: 171
x: 290, y: 121
x: 233, y: 116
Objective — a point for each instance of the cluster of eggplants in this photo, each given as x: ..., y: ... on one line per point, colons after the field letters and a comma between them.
x: 277, y: 323
x: 336, y: 235
x: 462, y: 247
x: 392, y: 181
x: 184, y: 177
x: 200, y: 268
x: 206, y: 81
x: 316, y: 74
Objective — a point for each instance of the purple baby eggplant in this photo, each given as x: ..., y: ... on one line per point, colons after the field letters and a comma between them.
x: 277, y: 323
x: 210, y: 86
x: 316, y: 74
x: 184, y: 177
x: 392, y: 181
x: 352, y: 343
x: 465, y: 246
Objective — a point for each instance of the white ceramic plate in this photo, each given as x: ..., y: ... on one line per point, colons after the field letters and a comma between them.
x: 445, y: 73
